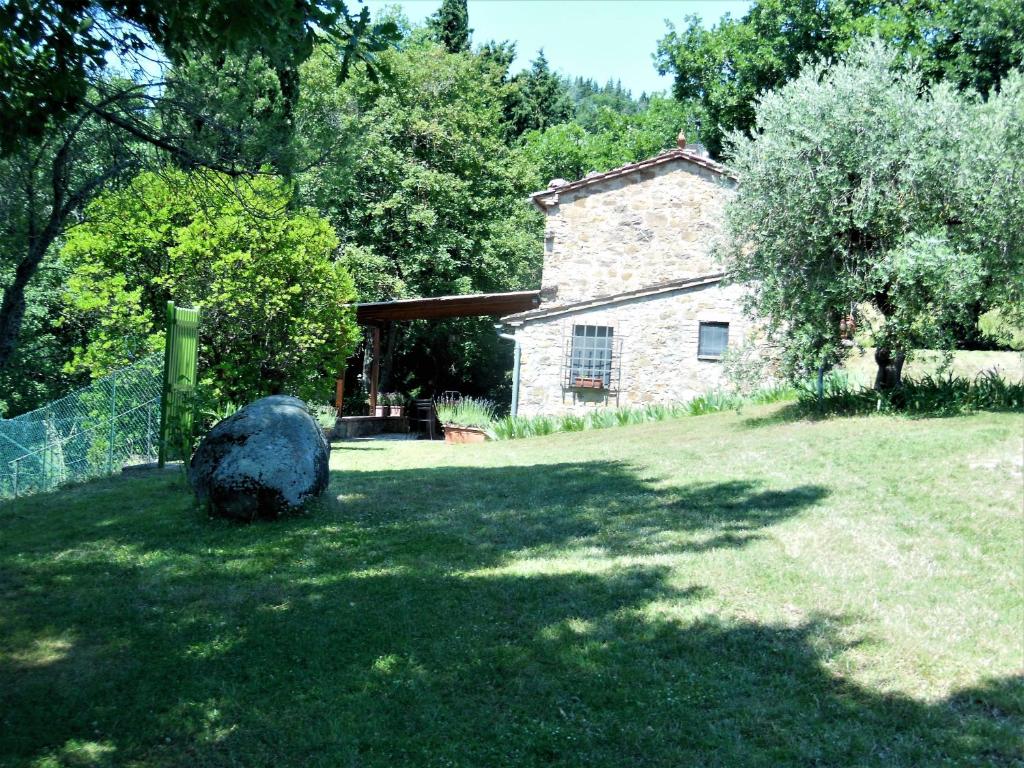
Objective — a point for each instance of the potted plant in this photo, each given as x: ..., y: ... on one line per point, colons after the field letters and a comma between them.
x: 396, y: 404
x: 381, y: 409
x: 589, y: 383
x: 465, y: 419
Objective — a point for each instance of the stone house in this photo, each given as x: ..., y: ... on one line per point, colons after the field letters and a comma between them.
x: 633, y: 307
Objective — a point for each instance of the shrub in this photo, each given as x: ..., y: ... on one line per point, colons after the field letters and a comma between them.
x: 465, y: 411
x: 273, y: 300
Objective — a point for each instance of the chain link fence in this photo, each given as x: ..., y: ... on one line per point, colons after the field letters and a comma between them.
x: 112, y: 423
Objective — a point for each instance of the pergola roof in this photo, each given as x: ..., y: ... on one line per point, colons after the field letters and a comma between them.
x: 437, y: 307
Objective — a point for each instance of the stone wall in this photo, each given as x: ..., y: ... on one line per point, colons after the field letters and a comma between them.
x: 655, y: 351
x: 644, y: 228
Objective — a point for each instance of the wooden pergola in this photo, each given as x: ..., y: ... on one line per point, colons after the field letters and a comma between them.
x: 376, y: 314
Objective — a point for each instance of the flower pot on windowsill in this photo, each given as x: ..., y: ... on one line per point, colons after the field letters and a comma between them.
x: 396, y: 410
x: 585, y: 383
x: 455, y: 434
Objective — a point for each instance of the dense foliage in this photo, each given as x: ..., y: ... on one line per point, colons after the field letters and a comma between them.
x: 90, y: 98
x: 431, y: 204
x: 422, y: 159
x: 271, y: 295
x: 969, y: 43
x: 38, y: 372
x: 862, y: 187
x: 450, y: 26
x: 570, y: 151
x: 51, y: 50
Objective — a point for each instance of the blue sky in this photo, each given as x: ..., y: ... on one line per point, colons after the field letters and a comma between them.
x: 601, y: 39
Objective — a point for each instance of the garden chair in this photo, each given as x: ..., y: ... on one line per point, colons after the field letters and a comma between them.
x: 422, y: 412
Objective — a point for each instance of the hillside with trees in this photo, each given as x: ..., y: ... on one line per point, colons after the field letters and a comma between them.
x: 415, y: 145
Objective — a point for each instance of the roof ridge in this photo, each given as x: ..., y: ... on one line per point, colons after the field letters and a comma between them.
x: 622, y: 170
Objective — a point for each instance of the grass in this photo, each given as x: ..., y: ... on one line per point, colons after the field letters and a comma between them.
x: 732, y: 590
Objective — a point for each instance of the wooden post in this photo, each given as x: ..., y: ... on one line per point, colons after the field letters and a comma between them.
x: 339, y: 390
x: 375, y: 370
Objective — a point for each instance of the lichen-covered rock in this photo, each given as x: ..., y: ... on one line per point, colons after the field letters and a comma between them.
x: 267, y: 459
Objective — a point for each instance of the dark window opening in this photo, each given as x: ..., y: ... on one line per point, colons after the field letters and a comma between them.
x: 713, y: 339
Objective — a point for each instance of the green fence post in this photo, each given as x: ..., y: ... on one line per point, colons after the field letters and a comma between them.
x: 165, y: 392
x: 180, y: 372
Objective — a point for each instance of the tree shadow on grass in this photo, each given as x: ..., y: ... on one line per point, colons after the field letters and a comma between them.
x: 486, y: 513
x: 402, y: 624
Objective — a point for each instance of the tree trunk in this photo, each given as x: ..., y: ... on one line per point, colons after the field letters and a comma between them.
x: 890, y: 369
x: 12, y: 310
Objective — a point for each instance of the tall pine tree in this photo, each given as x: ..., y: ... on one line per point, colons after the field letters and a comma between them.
x: 450, y: 25
x: 539, y: 100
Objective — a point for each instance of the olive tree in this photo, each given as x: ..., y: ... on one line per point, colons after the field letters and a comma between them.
x: 863, y: 187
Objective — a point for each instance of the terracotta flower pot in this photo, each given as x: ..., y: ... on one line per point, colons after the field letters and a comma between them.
x: 456, y: 434
x: 585, y: 383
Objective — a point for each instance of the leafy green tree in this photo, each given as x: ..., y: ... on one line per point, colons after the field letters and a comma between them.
x: 569, y: 151
x: 51, y: 50
x: 271, y: 295
x: 971, y: 42
x: 38, y: 371
x: 500, y: 56
x: 65, y: 94
x: 863, y: 187
x: 538, y: 98
x: 427, y: 200
x: 450, y: 26
x: 589, y: 99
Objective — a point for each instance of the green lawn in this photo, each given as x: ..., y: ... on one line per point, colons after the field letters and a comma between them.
x: 727, y: 590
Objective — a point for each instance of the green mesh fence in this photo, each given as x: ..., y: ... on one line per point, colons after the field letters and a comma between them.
x: 112, y: 423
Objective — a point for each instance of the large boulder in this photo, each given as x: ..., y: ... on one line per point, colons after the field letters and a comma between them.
x: 267, y: 459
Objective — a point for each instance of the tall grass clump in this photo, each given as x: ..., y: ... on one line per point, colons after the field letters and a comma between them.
x: 929, y: 395
x: 516, y: 427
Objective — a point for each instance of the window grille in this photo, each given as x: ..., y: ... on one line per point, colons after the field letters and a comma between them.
x: 590, y: 356
x: 713, y: 339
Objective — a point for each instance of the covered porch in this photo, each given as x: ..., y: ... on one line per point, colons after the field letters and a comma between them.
x: 377, y: 315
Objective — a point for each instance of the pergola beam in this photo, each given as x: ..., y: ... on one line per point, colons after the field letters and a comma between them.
x: 438, y: 307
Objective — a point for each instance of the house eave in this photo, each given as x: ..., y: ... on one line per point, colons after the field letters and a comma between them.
x: 672, y: 286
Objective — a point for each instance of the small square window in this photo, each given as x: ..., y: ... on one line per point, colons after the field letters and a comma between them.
x: 713, y: 339
x: 590, y: 361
